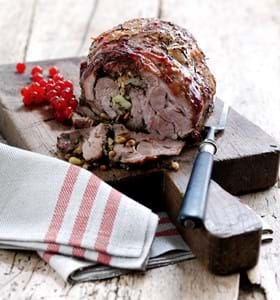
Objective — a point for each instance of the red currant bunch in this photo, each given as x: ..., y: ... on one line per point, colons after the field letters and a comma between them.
x: 54, y: 90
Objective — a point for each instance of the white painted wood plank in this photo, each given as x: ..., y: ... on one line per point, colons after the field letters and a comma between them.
x: 15, y: 25
x: 28, y: 277
x: 267, y: 272
x: 187, y: 280
x: 59, y: 28
x: 110, y: 13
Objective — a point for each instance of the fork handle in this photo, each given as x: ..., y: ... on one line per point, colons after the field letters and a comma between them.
x: 193, y: 208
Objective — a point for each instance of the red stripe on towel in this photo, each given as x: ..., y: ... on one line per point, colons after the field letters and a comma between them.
x: 47, y: 256
x: 107, y: 224
x: 78, y: 252
x: 103, y: 258
x: 53, y: 247
x: 164, y: 220
x: 168, y: 232
x: 83, y: 215
x: 61, y: 206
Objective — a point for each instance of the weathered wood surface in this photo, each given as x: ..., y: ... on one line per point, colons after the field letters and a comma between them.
x: 232, y: 234
x: 244, y: 150
x: 15, y: 29
x: 230, y: 238
x: 236, y: 243
x: 64, y: 28
x: 242, y: 41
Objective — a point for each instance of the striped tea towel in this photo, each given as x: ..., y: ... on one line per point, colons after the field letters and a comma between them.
x: 168, y: 248
x: 49, y: 205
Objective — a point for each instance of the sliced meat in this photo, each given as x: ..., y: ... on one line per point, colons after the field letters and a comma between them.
x: 164, y: 114
x: 144, y: 148
x: 160, y: 148
x: 81, y: 122
x: 129, y: 155
x: 93, y: 145
x: 136, y: 120
x: 105, y: 90
x: 67, y: 142
x: 87, y: 90
x: 85, y: 111
x: 129, y: 147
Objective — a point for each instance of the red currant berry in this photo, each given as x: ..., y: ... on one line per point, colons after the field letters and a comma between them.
x: 50, y: 81
x: 59, y: 115
x: 58, y: 77
x: 53, y: 70
x: 37, y: 77
x: 60, y: 82
x: 43, y: 82
x: 49, y: 87
x: 61, y: 104
x: 50, y: 94
x: 68, y: 84
x: 39, y: 100
x: 36, y: 69
x: 42, y: 94
x: 59, y: 86
x: 73, y: 103
x: 68, y: 111
x: 20, y: 67
x: 35, y: 86
x: 53, y: 101
x: 67, y: 94
x: 24, y: 91
x: 58, y: 89
x: 35, y: 97
x: 27, y: 100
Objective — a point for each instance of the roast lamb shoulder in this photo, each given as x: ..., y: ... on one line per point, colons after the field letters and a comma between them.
x: 147, y: 77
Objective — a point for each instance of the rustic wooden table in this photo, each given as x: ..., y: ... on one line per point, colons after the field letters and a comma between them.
x: 242, y: 40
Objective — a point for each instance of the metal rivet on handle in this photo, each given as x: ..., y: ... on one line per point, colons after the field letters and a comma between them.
x: 189, y: 224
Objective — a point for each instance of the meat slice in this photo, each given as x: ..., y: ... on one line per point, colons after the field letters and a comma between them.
x: 160, y: 148
x: 128, y: 147
x: 165, y: 114
x: 105, y: 90
x: 136, y: 120
x: 93, y: 145
x: 129, y: 155
x: 67, y: 142
x: 138, y: 148
x: 81, y: 122
x: 151, y: 76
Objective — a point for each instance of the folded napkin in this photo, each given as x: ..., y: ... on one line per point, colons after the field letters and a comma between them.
x: 168, y: 248
x: 49, y: 205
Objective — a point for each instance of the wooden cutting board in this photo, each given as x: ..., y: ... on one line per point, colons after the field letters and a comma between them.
x: 247, y: 160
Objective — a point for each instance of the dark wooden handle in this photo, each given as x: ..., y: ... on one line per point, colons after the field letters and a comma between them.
x: 193, y: 208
